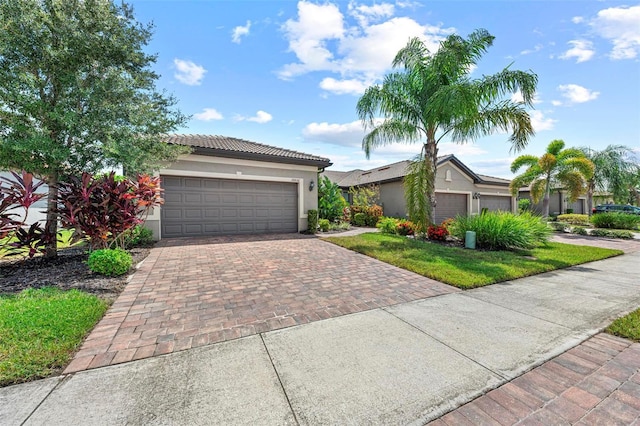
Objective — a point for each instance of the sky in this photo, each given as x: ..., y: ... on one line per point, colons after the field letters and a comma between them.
x: 290, y: 74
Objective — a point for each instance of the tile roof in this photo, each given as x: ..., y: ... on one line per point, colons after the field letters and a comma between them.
x: 397, y: 171
x: 240, y: 148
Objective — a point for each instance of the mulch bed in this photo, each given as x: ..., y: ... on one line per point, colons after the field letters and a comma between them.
x: 69, y: 270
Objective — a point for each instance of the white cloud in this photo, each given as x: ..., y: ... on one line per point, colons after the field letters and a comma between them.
x: 577, y: 19
x: 341, y: 87
x: 347, y: 134
x: 538, y: 47
x: 517, y: 97
x: 620, y: 25
x: 499, y: 167
x: 323, y: 40
x: 239, y: 32
x: 208, y: 114
x: 582, y: 50
x: 261, y: 117
x: 540, y: 122
x: 575, y: 94
x: 188, y: 72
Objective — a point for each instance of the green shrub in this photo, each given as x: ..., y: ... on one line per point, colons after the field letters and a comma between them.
x: 502, y: 230
x: 579, y: 230
x: 110, y: 262
x: 574, y: 219
x: 387, y: 225
x: 324, y: 224
x: 331, y: 203
x: 359, y: 219
x: 312, y: 220
x: 524, y: 204
x: 405, y: 227
x: 615, y: 220
x: 558, y: 226
x: 568, y: 211
x: 341, y: 226
x: 611, y: 233
x: 373, y: 214
x: 138, y: 236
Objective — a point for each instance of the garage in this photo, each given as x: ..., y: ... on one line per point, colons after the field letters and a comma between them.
x: 495, y: 203
x: 196, y: 206
x: 449, y: 206
x: 578, y: 206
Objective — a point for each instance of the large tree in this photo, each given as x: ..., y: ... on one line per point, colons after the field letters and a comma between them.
x: 432, y: 96
x: 557, y: 168
x: 614, y: 170
x: 77, y: 92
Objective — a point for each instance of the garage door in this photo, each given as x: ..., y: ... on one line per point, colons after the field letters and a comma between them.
x: 578, y: 206
x: 495, y: 203
x: 202, y: 206
x: 449, y: 206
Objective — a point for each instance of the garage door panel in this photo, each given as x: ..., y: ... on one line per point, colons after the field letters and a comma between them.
x: 192, y: 198
x: 229, y: 199
x: 192, y: 228
x: 211, y: 198
x: 449, y: 206
x: 211, y: 213
x: 172, y: 213
x: 495, y: 203
x: 246, y: 199
x: 192, y: 183
x: 193, y: 214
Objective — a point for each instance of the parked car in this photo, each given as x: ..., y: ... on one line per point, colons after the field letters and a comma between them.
x: 618, y: 208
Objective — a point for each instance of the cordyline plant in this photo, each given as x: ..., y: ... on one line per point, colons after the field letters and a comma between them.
x: 15, y: 236
x: 104, y: 208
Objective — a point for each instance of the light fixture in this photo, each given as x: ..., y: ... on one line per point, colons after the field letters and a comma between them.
x: 476, y: 195
x: 312, y: 184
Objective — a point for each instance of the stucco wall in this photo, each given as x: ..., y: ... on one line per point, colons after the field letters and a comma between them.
x: 227, y: 168
x: 392, y: 199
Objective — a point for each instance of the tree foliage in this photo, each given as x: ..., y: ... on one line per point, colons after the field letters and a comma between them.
x: 77, y: 93
x: 568, y: 169
x: 432, y: 97
x: 330, y: 200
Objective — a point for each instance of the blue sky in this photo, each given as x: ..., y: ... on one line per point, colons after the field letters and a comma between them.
x: 289, y: 73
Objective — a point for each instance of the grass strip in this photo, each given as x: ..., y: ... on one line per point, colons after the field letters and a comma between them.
x: 41, y: 328
x: 628, y: 326
x: 465, y: 268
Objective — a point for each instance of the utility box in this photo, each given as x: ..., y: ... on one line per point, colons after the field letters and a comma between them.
x: 470, y: 240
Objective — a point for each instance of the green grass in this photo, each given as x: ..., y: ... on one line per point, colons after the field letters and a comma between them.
x: 41, y: 328
x: 64, y: 241
x: 469, y: 268
x: 628, y: 326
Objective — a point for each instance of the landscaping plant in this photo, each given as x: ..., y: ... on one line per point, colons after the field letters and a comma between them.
x: 323, y: 224
x: 405, y: 227
x: 331, y: 203
x: 616, y: 220
x: 359, y: 219
x: 524, y: 204
x: 574, y: 219
x: 110, y: 262
x: 437, y: 232
x: 312, y: 220
x: 502, y: 230
x: 611, y: 233
x: 579, y: 230
x: 387, y: 225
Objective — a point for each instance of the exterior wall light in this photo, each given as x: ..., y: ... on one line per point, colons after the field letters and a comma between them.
x: 312, y: 185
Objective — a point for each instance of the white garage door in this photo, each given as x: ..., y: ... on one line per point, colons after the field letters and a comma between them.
x: 202, y: 206
x: 449, y: 206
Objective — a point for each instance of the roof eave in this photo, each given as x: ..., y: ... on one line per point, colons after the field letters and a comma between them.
x: 213, y: 152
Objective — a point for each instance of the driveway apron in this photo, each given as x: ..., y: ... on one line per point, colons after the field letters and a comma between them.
x: 194, y: 292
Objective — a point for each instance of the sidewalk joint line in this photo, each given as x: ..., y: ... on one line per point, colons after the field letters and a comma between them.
x: 500, y: 375
x: 64, y: 379
x: 284, y: 391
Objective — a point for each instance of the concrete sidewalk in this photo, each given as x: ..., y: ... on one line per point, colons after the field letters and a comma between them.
x: 405, y: 364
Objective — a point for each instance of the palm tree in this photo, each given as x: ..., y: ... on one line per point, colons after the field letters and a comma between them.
x: 432, y: 97
x: 556, y: 168
x: 614, y: 169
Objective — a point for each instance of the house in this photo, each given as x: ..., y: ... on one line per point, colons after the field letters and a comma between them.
x: 234, y: 186
x: 458, y: 189
x: 558, y: 202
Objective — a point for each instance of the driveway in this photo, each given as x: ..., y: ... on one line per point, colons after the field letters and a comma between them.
x: 194, y: 292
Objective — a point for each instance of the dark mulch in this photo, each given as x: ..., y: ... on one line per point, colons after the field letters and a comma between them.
x: 69, y: 270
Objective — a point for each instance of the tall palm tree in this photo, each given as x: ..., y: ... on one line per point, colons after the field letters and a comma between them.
x: 433, y: 97
x: 563, y: 168
x: 614, y: 169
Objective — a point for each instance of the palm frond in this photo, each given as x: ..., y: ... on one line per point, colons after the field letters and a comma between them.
x: 418, y: 185
x: 524, y: 160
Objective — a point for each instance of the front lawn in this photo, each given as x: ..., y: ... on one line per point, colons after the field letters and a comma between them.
x: 628, y: 326
x: 465, y: 268
x: 41, y: 328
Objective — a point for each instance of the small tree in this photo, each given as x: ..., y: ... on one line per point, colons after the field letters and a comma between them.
x: 331, y: 203
x: 77, y: 93
x: 365, y: 195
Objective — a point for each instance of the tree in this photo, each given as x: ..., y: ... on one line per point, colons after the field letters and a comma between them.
x: 556, y: 168
x: 331, y: 203
x: 77, y: 93
x: 432, y: 97
x: 614, y: 169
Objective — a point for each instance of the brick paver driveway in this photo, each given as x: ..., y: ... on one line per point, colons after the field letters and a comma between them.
x: 193, y: 292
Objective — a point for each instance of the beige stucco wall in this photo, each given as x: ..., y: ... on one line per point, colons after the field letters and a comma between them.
x: 229, y: 168
x: 392, y: 199
x: 557, y: 203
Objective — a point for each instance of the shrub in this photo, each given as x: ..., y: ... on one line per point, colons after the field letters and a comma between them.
x: 524, y: 204
x: 579, y: 230
x: 312, y: 220
x: 503, y: 230
x: 568, y: 211
x: 346, y: 215
x: 611, y: 233
x: 342, y: 226
x: 324, y: 224
x: 110, y: 262
x: 615, y: 220
x: 138, y: 236
x: 405, y: 227
x: 330, y: 200
x: 437, y: 232
x: 387, y: 225
x: 359, y: 219
x: 373, y: 214
x: 365, y: 196
x: 574, y: 219
x: 558, y: 226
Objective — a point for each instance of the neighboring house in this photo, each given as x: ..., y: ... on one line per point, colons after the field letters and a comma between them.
x: 233, y: 186
x: 459, y: 191
x: 558, y: 202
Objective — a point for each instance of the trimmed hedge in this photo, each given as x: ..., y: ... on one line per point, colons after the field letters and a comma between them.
x: 615, y: 220
x: 574, y: 219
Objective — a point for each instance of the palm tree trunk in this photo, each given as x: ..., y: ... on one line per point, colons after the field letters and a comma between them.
x: 51, y: 225
x: 545, y: 200
x: 590, y: 189
x: 431, y: 160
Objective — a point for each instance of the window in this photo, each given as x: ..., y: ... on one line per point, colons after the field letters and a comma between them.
x: 447, y: 175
